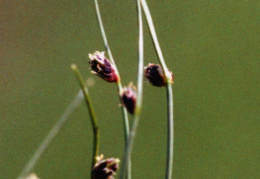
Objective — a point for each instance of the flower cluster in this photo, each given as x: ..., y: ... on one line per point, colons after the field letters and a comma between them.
x: 128, y: 96
x: 102, y: 67
x: 154, y: 74
x: 105, y: 168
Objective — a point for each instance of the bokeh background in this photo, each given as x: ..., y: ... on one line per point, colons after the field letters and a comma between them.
x: 212, y: 47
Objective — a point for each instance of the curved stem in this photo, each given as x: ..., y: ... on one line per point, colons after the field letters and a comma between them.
x: 130, y: 142
x: 155, y: 40
x: 51, y: 135
x: 170, y: 138
x: 91, y: 113
x: 141, y: 62
x: 119, y: 85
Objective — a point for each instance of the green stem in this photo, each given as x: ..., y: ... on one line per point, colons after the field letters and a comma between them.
x: 170, y: 138
x: 130, y: 143
x: 155, y: 40
x: 119, y: 84
x: 51, y: 135
x: 91, y: 113
x: 170, y: 133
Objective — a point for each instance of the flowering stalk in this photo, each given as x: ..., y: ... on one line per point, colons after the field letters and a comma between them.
x: 119, y: 85
x: 91, y: 113
x: 168, y: 75
x: 138, y: 106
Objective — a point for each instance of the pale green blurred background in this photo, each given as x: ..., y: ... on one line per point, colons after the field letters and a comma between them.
x: 212, y: 47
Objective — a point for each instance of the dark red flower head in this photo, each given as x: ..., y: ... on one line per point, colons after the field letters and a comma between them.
x: 102, y: 67
x: 128, y: 97
x: 154, y: 73
x: 105, y: 168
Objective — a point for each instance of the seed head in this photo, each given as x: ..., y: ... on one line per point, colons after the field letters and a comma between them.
x: 102, y: 67
x: 154, y: 74
x: 105, y: 168
x: 128, y: 96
